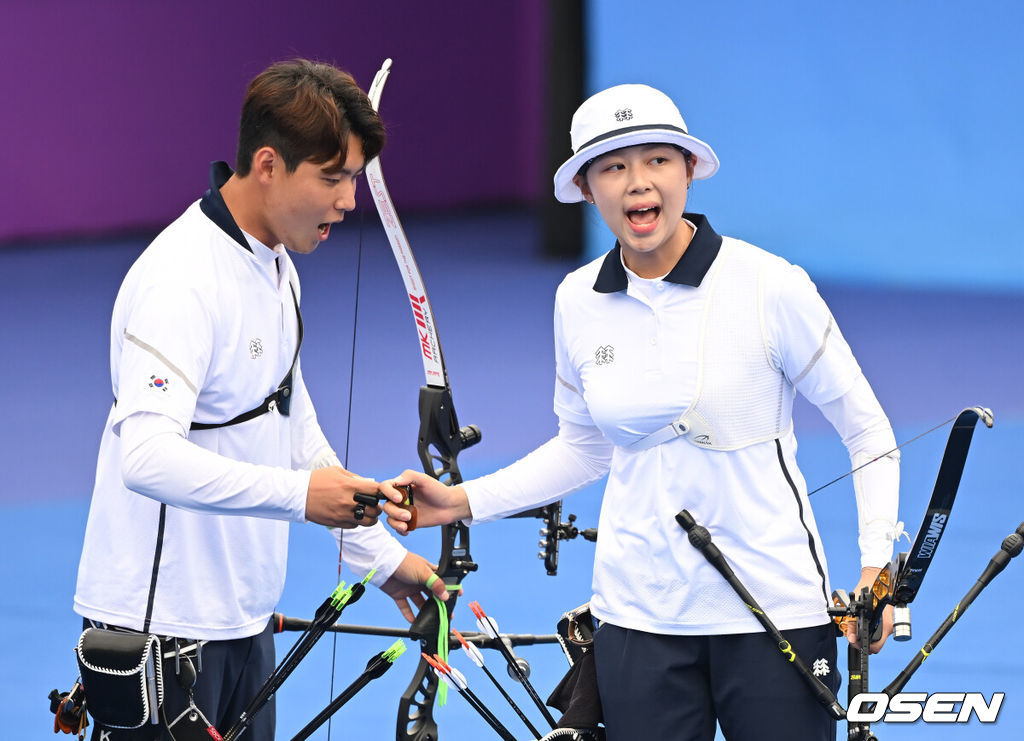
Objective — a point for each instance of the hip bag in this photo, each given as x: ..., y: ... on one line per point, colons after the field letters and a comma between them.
x: 122, y: 676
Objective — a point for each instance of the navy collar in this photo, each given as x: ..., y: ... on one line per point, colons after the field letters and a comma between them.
x: 689, y: 271
x: 212, y: 204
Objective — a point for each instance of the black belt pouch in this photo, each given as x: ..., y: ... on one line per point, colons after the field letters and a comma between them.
x: 122, y: 677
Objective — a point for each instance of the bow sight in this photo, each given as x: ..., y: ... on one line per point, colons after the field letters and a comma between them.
x: 554, y: 532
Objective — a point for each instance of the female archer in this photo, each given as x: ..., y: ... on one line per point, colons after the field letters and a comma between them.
x: 678, y: 355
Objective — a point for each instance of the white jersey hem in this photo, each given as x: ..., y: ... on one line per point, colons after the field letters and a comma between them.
x: 202, y: 633
x: 733, y: 627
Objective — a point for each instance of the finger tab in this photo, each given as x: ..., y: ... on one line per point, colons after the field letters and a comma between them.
x: 411, y: 524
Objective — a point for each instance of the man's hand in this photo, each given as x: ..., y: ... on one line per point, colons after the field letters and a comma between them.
x: 436, y: 503
x: 867, y: 579
x: 409, y: 584
x: 329, y: 500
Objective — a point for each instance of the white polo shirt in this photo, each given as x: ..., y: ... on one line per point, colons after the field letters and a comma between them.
x: 205, y: 326
x: 629, y: 361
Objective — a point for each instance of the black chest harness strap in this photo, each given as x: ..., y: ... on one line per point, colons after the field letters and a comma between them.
x: 281, y: 399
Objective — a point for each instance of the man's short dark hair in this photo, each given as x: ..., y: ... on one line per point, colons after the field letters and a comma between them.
x: 306, y: 111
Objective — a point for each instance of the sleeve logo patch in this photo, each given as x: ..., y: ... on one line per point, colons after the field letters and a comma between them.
x: 158, y: 382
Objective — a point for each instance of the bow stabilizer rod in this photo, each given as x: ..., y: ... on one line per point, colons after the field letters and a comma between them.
x: 283, y: 623
x: 1011, y: 547
x: 700, y: 539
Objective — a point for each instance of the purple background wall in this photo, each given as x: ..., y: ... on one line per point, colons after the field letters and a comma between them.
x: 111, y: 110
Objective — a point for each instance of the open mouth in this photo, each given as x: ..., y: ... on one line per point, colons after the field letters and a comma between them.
x: 643, y: 216
x: 324, y: 230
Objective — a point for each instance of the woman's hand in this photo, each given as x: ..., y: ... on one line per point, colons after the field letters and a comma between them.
x: 867, y: 579
x: 435, y: 503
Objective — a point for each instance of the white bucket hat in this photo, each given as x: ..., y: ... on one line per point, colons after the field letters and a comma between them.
x: 622, y: 116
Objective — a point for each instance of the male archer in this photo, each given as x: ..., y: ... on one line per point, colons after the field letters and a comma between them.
x: 212, y: 446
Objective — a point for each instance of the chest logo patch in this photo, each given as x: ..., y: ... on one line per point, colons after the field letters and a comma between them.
x: 159, y: 383
x: 255, y: 348
x: 604, y: 355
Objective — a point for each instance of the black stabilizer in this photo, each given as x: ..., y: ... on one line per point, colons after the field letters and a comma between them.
x: 1011, y: 547
x: 1014, y: 543
x: 700, y: 539
x: 686, y: 521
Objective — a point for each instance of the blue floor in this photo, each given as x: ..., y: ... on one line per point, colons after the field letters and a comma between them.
x: 927, y: 354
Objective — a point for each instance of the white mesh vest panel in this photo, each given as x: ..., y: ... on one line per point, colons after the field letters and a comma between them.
x: 741, y: 399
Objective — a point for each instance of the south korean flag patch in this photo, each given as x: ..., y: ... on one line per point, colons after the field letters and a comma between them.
x: 160, y: 383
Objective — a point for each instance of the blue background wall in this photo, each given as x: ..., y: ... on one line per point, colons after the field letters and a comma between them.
x: 871, y: 142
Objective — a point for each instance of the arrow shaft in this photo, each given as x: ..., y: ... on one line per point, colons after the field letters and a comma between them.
x: 486, y: 714
x: 523, y: 680
x: 508, y: 698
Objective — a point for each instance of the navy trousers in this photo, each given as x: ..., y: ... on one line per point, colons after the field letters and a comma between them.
x: 675, y: 688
